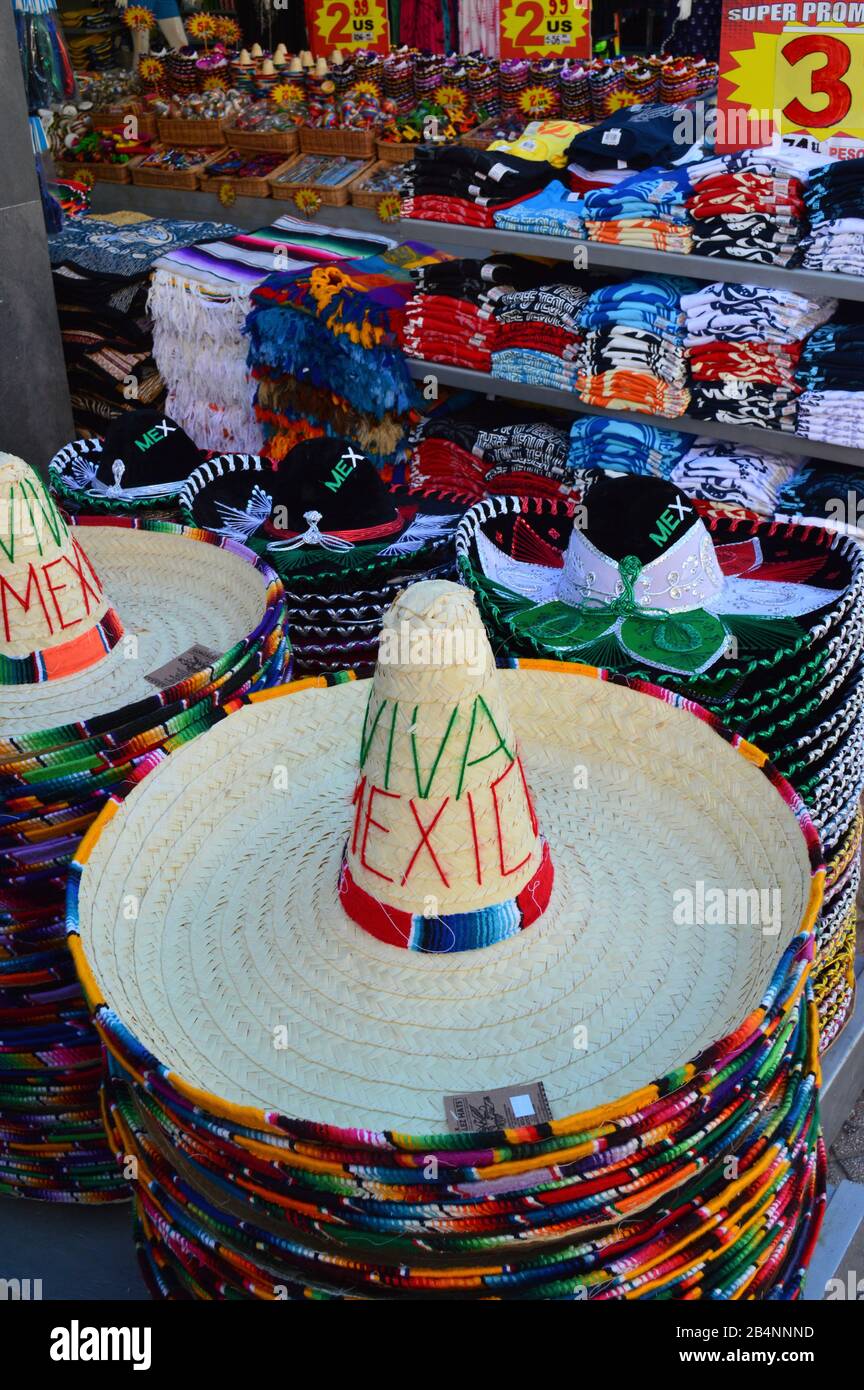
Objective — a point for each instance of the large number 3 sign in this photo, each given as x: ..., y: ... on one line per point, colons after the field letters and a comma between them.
x: 825, y: 81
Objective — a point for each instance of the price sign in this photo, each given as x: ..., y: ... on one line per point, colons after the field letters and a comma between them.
x: 796, y: 69
x: 545, y: 28
x: 348, y: 25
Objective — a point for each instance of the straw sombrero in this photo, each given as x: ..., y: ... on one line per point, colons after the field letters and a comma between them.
x: 98, y: 619
x: 140, y: 464
x: 119, y: 642
x: 498, y: 867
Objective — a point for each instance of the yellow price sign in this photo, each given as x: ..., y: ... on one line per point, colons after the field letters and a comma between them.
x: 784, y: 70
x: 545, y: 28
x: 819, y: 81
x: 347, y: 24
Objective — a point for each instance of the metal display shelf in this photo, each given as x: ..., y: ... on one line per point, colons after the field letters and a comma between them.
x: 813, y: 283
x: 479, y: 241
x: 777, y: 440
x: 250, y: 213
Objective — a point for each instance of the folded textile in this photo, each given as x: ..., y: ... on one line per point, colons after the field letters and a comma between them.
x: 734, y: 476
x: 553, y: 211
x: 627, y: 446
x: 832, y: 417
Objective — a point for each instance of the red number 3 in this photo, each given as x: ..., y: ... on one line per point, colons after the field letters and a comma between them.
x: 826, y: 80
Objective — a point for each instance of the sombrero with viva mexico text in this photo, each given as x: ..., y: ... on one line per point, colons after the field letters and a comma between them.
x: 431, y: 955
x: 118, y: 643
x: 98, y: 621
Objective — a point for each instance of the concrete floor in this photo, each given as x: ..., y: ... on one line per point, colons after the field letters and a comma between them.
x: 79, y: 1252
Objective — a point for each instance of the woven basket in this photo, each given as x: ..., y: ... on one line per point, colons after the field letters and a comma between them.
x: 174, y: 178
x: 360, y: 197
x: 173, y: 130
x: 113, y: 118
x: 242, y: 188
x: 278, y: 141
x: 396, y: 151
x: 358, y: 144
x: 105, y: 173
x: 338, y: 197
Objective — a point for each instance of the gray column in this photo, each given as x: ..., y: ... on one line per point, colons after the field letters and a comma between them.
x: 35, y: 414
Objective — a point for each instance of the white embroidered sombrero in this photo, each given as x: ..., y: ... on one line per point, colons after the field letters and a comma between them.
x: 94, y: 619
x: 507, y: 887
x: 638, y: 579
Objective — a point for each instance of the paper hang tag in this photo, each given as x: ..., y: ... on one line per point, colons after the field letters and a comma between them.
x: 188, y: 663
x: 506, y: 1107
x: 611, y: 137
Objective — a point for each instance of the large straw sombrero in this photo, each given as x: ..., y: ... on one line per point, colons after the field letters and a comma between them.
x: 118, y: 643
x: 98, y: 619
x: 435, y: 1029
x: 361, y: 950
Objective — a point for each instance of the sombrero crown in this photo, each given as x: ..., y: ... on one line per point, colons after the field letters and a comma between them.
x: 445, y: 852
x: 55, y: 618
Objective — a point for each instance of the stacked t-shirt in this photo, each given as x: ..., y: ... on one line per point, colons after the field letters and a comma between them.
x: 750, y: 388
x: 638, y: 137
x: 831, y: 378
x: 648, y: 209
x: 490, y: 449
x: 445, y: 320
x: 834, y: 199
x: 626, y: 446
x: 734, y: 477
x: 451, y: 317
x: 751, y: 213
x: 554, y: 211
x: 634, y: 356
x: 538, y: 335
x: 453, y: 183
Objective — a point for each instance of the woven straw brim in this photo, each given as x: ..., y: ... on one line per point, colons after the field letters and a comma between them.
x: 238, y: 932
x: 171, y: 593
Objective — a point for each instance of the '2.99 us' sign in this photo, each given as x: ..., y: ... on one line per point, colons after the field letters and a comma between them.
x: 795, y: 68
x: 545, y: 28
x: 347, y: 25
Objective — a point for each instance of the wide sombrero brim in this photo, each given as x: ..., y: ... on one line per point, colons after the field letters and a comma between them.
x: 226, y: 947
x: 172, y: 593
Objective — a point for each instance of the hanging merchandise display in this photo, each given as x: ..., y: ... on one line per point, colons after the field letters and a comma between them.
x: 440, y: 888
x: 324, y: 354
x: 118, y: 643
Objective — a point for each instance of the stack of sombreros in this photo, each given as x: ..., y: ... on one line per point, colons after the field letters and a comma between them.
x: 760, y: 622
x: 343, y: 541
x: 459, y: 1020
x: 137, y: 468
x: 119, y: 641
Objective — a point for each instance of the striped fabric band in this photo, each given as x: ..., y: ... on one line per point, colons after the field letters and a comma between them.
x: 459, y: 931
x: 66, y: 659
